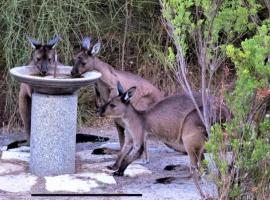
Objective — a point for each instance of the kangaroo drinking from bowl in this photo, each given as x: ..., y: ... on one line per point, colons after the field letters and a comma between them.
x: 173, y: 120
x: 145, y: 95
x: 44, y: 58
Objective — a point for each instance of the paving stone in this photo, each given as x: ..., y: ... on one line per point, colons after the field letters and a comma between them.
x: 69, y: 183
x: 17, y: 183
x: 101, y: 177
x: 6, y: 168
x: 14, y: 155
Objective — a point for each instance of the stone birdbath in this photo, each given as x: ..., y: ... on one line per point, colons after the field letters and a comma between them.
x: 53, y: 117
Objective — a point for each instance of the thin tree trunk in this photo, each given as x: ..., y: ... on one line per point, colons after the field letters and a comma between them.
x: 128, y: 15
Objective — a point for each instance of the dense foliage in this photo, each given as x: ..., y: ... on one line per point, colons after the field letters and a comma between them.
x: 248, y: 135
x: 215, y: 33
x: 133, y: 23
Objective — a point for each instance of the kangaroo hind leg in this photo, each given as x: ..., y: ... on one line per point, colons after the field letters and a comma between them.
x: 194, y: 144
x: 25, y: 111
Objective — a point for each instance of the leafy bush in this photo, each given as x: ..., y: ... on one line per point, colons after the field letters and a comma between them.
x: 103, y: 20
x: 214, y: 33
x: 247, y: 174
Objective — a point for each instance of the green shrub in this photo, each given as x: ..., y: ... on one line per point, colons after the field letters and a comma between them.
x: 250, y: 167
x: 212, y: 34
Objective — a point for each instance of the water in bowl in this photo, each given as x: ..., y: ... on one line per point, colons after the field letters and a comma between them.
x: 50, y: 76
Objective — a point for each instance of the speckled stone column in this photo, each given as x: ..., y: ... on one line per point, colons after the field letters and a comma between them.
x: 53, y: 134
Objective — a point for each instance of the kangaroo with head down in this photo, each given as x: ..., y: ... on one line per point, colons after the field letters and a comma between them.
x: 173, y: 120
x: 44, y: 59
x: 145, y: 95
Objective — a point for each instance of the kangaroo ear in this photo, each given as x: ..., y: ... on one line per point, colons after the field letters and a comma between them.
x: 120, y: 89
x: 96, y: 49
x: 34, y: 43
x: 86, y: 43
x: 128, y: 94
x: 53, y: 42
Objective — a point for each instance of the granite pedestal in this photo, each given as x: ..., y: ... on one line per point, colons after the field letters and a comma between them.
x: 53, y: 134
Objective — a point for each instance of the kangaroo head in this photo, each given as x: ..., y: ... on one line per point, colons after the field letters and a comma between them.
x: 85, y: 59
x: 117, y: 106
x: 44, y: 56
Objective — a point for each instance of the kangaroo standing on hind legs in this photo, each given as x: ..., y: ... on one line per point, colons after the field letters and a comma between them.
x: 44, y: 59
x: 173, y: 119
x: 145, y: 95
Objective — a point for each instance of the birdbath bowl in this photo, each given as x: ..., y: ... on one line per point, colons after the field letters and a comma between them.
x: 53, y: 117
x: 63, y: 83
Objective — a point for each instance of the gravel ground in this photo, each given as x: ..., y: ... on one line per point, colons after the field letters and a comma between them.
x: 181, y: 187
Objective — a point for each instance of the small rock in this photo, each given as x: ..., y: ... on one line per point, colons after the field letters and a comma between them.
x: 136, y: 170
x: 111, y: 145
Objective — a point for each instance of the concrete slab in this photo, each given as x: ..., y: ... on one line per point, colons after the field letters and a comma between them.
x: 15, y: 155
x: 69, y: 183
x: 17, y: 183
x: 100, y: 177
x: 6, y: 168
x: 111, y: 145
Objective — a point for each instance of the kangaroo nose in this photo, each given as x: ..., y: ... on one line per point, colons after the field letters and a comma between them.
x: 43, y: 72
x: 74, y: 72
x: 98, y: 111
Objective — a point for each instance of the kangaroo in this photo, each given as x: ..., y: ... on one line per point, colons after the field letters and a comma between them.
x: 145, y: 95
x: 165, y: 120
x: 173, y: 120
x: 44, y: 58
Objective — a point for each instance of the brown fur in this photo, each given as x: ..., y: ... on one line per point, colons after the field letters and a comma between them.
x: 44, y: 59
x: 174, y: 120
x: 145, y: 95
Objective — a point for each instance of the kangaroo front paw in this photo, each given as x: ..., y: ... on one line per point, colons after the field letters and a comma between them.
x: 118, y: 173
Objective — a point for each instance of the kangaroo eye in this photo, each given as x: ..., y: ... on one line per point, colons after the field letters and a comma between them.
x: 38, y: 59
x: 112, y: 105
